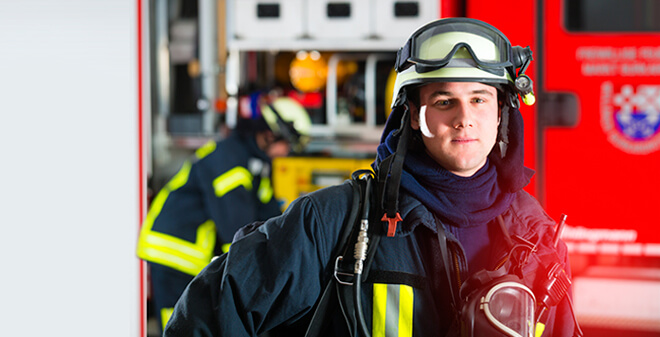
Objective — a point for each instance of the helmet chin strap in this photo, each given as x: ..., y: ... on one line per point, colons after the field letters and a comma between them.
x: 503, y: 135
x: 389, y: 173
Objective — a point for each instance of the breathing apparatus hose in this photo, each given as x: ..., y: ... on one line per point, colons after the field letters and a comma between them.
x: 360, y: 255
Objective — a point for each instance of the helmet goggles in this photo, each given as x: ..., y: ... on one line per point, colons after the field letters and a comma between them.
x: 453, y: 42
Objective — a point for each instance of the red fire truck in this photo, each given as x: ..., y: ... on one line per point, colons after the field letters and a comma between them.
x: 594, y: 139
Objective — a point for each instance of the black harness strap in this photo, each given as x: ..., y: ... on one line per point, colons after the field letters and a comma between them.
x: 329, y: 299
x: 335, y: 294
x: 447, y: 266
x: 389, y: 175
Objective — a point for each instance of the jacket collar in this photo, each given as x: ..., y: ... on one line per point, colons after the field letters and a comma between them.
x: 414, y: 214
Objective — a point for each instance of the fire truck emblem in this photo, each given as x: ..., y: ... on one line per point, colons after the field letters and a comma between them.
x: 630, y: 117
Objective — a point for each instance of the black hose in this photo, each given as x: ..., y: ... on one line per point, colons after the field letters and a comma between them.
x: 357, y: 280
x: 359, y: 315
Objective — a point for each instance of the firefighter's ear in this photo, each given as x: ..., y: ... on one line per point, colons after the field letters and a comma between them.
x: 414, y: 116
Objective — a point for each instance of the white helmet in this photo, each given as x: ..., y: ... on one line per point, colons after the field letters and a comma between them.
x: 462, y: 49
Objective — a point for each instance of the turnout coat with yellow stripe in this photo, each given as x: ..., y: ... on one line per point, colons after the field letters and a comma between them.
x: 275, y: 275
x: 194, y: 217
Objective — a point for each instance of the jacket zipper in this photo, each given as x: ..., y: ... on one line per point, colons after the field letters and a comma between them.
x: 457, y: 269
x: 453, y: 250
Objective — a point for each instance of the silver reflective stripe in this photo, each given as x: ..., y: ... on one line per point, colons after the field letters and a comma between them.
x: 392, y: 310
x: 392, y: 315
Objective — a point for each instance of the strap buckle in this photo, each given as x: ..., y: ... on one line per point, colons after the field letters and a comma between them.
x: 338, y: 273
x: 391, y: 223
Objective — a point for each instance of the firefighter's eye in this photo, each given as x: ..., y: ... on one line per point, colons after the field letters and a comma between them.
x: 442, y: 102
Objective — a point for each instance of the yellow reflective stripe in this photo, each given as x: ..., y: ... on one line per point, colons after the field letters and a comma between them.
x: 169, y: 250
x: 238, y: 176
x: 539, y: 329
x: 205, y: 149
x: 392, y: 310
x: 225, y: 247
x: 165, y: 314
x: 175, y: 183
x: 179, y: 254
x: 379, y: 310
x: 265, y: 191
x: 406, y: 296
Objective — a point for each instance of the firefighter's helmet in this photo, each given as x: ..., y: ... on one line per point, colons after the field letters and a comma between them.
x: 288, y: 119
x: 462, y: 49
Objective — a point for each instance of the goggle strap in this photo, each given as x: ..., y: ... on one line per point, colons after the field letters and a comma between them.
x: 521, y: 58
x: 402, y: 56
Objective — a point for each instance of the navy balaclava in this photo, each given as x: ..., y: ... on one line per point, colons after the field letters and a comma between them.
x: 465, y: 204
x: 463, y: 201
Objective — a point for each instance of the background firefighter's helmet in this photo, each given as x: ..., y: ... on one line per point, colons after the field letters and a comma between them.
x: 289, y: 120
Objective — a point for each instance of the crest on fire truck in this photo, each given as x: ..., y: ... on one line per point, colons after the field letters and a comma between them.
x: 630, y: 117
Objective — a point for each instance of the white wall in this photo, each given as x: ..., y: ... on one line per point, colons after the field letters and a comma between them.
x: 69, y: 168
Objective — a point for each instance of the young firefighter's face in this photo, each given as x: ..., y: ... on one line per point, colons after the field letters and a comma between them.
x: 458, y: 122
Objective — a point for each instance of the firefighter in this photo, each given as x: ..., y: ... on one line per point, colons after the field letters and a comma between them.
x: 449, y: 243
x: 224, y: 186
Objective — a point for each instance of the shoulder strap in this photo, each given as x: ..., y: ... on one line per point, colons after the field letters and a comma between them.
x: 331, y: 293
x: 447, y: 266
x: 327, y: 303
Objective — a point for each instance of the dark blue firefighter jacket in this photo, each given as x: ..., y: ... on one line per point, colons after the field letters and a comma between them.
x: 275, y: 275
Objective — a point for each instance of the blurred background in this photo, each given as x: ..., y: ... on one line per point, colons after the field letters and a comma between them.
x: 182, y: 72
x: 593, y: 136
